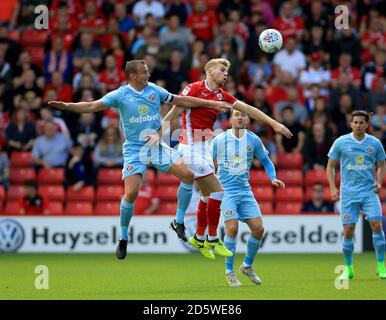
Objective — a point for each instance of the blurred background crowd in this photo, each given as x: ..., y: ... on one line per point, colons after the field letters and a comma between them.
x: 311, y: 85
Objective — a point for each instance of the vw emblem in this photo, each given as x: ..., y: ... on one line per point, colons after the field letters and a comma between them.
x: 11, y: 235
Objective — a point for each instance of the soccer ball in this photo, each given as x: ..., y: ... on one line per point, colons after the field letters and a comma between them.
x: 270, y: 40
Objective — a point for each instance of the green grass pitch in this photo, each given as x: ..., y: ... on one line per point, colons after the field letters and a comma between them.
x: 184, y: 276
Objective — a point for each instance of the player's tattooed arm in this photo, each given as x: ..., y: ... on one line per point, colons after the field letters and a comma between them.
x: 81, y: 107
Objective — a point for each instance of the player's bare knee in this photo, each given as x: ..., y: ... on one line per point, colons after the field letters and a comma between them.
x: 232, y: 231
x: 131, y: 195
x: 187, y: 176
x: 376, y: 226
x: 258, y: 232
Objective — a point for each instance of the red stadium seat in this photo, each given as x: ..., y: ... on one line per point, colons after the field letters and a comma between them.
x: 56, y: 208
x: 15, y: 192
x: 167, y: 179
x: 168, y: 193
x: 382, y: 195
x: 87, y: 193
x: 12, y: 207
x: 266, y: 207
x: 315, y: 176
x: 290, y: 194
x: 151, y: 176
x: 288, y: 207
x: 2, y: 193
x: 258, y: 178
x: 263, y: 193
x: 34, y: 38
x: 167, y: 208
x: 14, y: 35
x: 51, y: 176
x: 79, y: 208
x: 384, y: 209
x: 107, y: 208
x: 37, y: 54
x: 291, y: 177
x: 53, y: 193
x: 20, y: 175
x: 293, y: 160
x: 21, y: 159
x: 110, y: 193
x: 110, y: 176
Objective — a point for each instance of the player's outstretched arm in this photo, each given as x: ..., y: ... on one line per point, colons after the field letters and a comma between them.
x: 380, y: 176
x: 271, y: 172
x: 192, y: 102
x: 256, y: 114
x: 331, y: 164
x: 81, y: 107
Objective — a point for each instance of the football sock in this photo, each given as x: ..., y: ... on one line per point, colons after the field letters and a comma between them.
x: 379, y: 246
x: 348, y: 250
x: 230, y: 244
x: 253, y: 246
x: 213, y: 209
x: 202, y: 219
x: 184, y: 195
x: 126, y: 212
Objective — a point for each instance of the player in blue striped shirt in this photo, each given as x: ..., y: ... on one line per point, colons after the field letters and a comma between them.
x: 358, y: 152
x: 233, y: 151
x: 138, y: 104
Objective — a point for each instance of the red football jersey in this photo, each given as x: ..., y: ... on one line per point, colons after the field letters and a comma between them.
x: 197, y: 123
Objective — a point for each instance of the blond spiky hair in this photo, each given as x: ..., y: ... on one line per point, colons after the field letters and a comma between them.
x: 211, y: 63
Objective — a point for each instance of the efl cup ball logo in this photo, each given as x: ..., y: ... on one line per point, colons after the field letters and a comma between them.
x: 11, y: 235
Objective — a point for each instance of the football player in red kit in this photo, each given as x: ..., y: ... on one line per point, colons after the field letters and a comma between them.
x: 197, y: 132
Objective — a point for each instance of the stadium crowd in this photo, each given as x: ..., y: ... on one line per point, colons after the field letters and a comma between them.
x: 311, y: 85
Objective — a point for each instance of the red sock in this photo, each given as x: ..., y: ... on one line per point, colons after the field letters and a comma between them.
x: 201, y: 218
x: 213, y: 209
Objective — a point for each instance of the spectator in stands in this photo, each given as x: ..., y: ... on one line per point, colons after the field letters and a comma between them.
x: 126, y: 23
x: 79, y: 170
x: 228, y: 51
x: 176, y: 73
x: 59, y: 60
x: 116, y: 49
x: 289, y: 59
x: 202, y: 22
x: 4, y: 121
x: 87, y: 83
x: 87, y: 51
x: 144, y: 7
x: 373, y: 69
x: 33, y: 202
x: 317, y: 17
x: 346, y: 41
x: 378, y: 94
x: 24, y: 63
x: 178, y: 8
x: 108, y: 152
x: 315, y: 74
x: 152, y: 46
x: 344, y: 87
x: 378, y: 120
x: 176, y: 37
x: 28, y: 83
x: 300, y: 111
x: 295, y: 144
x: 92, y: 21
x: 229, y: 34
x: 63, y: 90
x: 318, y: 204
x: 47, y: 115
x: 147, y: 201
x: 316, y: 43
x: 5, y: 68
x: 270, y: 145
x: 260, y: 71
x: 374, y: 38
x: 51, y: 149
x: 316, y: 146
x: 287, y: 23
x: 20, y: 133
x: 86, y: 131
x: 4, y: 168
x: 12, y: 47
x: 86, y: 69
x: 346, y: 67
x: 111, y: 77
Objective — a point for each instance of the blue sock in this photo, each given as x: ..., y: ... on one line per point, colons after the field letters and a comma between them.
x: 348, y: 250
x: 230, y: 243
x: 253, y: 246
x: 126, y: 213
x: 379, y: 246
x: 184, y: 195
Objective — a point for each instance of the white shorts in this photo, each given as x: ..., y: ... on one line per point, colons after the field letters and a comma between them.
x: 198, y: 158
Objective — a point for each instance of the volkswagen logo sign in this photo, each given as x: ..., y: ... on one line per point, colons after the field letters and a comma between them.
x: 11, y: 235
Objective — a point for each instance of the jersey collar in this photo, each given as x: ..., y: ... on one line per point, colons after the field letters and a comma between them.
x: 234, y: 136
x: 135, y: 90
x: 360, y: 142
x: 207, y: 86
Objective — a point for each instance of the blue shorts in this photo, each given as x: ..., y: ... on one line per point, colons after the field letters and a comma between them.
x: 351, y: 208
x: 137, y: 159
x: 241, y: 206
